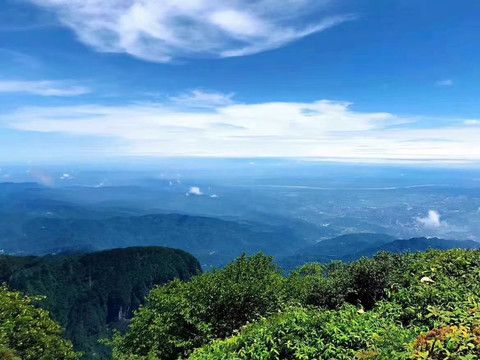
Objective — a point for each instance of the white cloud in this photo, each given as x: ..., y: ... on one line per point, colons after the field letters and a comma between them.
x: 281, y: 37
x: 43, y: 88
x: 66, y: 176
x: 321, y: 129
x: 432, y: 220
x: 194, y: 190
x: 165, y: 30
x: 446, y: 82
x: 472, y: 122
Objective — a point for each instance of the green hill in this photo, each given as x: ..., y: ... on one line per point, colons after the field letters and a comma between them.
x: 89, y: 294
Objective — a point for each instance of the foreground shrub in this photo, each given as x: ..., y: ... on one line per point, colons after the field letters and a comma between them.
x: 307, y: 334
x: 391, y: 307
x: 456, y: 334
x: 181, y: 316
x: 363, y: 282
x: 27, y: 332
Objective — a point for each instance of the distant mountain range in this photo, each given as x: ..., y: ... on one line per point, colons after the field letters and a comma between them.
x: 420, y: 244
x: 90, y: 294
x: 31, y: 224
x: 352, y: 247
x: 37, y: 220
x: 212, y: 241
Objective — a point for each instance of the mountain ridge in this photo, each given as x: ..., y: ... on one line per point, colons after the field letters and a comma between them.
x: 213, y: 241
x: 367, y: 245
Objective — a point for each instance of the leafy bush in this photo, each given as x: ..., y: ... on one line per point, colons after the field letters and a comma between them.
x: 319, y: 285
x: 311, y: 334
x: 456, y: 333
x: 363, y: 282
x: 28, y: 333
x: 181, y: 316
x: 390, y: 307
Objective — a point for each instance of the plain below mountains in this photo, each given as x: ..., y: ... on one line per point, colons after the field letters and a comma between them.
x: 351, y: 247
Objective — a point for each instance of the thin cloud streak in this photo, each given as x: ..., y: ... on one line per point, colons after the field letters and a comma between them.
x: 43, y: 88
x: 446, y: 82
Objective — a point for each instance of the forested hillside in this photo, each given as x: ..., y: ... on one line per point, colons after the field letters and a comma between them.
x: 212, y: 241
x: 89, y: 294
x: 390, y: 307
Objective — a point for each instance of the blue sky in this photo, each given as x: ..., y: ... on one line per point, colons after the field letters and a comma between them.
x: 338, y: 80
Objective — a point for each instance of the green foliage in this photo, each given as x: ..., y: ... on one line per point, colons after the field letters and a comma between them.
x: 390, y: 307
x: 7, y: 354
x: 363, y: 282
x: 320, y: 285
x: 311, y: 334
x: 181, y: 316
x: 28, y: 333
x: 456, y: 334
x: 90, y: 294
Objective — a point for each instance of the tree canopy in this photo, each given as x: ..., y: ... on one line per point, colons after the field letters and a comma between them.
x: 89, y: 294
x: 390, y: 307
x: 28, y: 333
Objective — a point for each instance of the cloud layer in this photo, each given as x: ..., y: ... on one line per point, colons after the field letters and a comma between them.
x: 42, y: 88
x: 321, y: 129
x: 162, y: 31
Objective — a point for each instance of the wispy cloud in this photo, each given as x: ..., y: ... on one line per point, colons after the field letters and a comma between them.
x: 472, y: 122
x: 202, y: 99
x: 163, y: 31
x: 18, y: 16
x: 43, y: 88
x: 19, y: 58
x: 321, y: 129
x: 446, y: 82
